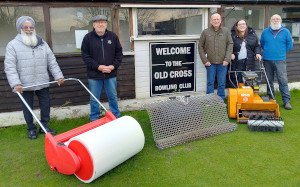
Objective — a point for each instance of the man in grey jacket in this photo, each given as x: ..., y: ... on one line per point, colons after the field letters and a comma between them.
x: 215, y: 49
x: 27, y: 61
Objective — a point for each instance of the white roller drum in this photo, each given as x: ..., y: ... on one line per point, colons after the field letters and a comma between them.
x: 107, y: 146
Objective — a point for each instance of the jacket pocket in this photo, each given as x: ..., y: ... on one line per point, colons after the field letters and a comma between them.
x: 210, y: 38
x: 221, y: 37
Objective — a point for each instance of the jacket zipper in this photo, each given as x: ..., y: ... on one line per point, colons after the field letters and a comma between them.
x: 103, y: 53
x: 102, y: 48
x: 34, y: 61
x: 277, y: 33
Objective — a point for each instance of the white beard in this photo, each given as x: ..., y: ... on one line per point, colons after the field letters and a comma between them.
x: 275, y: 26
x: 29, y: 39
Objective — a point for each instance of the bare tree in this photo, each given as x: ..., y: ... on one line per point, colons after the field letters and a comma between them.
x: 9, y: 15
x: 89, y: 13
x: 124, y: 14
x: 145, y: 16
x: 185, y: 13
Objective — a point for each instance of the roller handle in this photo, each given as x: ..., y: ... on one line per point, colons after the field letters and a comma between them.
x: 68, y: 79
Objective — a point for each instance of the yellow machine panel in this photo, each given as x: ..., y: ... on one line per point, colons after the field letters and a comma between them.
x: 243, y: 102
x: 245, y: 94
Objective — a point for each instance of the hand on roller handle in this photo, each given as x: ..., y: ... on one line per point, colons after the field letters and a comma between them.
x: 60, y: 81
x: 18, y: 88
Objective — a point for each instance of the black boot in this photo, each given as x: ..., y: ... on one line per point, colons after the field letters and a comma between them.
x: 53, y: 132
x: 32, y: 134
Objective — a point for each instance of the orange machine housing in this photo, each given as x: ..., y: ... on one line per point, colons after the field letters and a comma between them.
x: 244, y: 98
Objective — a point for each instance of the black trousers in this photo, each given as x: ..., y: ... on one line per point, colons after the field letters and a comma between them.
x: 44, y: 104
x: 239, y: 65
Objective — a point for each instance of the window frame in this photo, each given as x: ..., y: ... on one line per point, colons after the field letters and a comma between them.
x: 24, y: 5
x: 46, y: 11
x: 134, y: 9
x: 268, y: 17
x: 266, y: 7
x: 113, y: 13
x: 114, y: 8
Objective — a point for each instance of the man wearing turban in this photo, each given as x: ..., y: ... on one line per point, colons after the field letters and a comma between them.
x: 27, y: 61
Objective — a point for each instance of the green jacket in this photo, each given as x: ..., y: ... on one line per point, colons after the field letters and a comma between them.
x: 215, y: 46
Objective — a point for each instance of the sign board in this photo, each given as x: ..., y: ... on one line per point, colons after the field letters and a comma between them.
x: 172, y: 67
x: 79, y: 35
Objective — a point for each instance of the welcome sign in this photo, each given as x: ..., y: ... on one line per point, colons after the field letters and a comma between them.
x: 172, y: 67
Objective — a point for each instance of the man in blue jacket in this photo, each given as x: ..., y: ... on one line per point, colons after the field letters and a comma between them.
x: 102, y: 52
x: 276, y: 40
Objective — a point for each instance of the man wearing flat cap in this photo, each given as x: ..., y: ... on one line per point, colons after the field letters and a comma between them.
x: 102, y: 52
x: 27, y: 61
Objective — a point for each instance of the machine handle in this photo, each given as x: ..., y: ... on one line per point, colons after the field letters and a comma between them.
x: 268, y: 83
x: 236, y: 73
x: 262, y: 70
x: 68, y: 79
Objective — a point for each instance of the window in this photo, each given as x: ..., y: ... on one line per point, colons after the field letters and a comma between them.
x: 169, y: 21
x: 124, y: 29
x: 254, y: 16
x: 8, y: 18
x: 69, y: 25
x: 290, y: 19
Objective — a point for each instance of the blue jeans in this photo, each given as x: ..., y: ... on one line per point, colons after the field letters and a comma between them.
x: 220, y: 71
x: 278, y: 67
x: 44, y: 104
x: 110, y: 87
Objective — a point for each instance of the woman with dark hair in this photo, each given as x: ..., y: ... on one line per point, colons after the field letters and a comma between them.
x: 245, y: 49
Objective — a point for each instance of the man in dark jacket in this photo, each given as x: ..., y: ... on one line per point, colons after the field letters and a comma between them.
x: 102, y: 52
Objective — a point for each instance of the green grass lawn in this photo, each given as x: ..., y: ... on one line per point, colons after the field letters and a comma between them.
x: 239, y: 158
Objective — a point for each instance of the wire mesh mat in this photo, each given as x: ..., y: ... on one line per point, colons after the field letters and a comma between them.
x: 183, y: 119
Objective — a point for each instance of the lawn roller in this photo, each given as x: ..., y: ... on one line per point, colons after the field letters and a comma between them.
x: 261, y: 113
x: 92, y: 149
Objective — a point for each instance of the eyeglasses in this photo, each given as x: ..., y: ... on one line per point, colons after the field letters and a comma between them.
x: 26, y: 27
x: 101, y: 22
x: 240, y: 24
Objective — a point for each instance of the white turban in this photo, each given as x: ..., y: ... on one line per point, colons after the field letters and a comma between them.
x: 21, y: 20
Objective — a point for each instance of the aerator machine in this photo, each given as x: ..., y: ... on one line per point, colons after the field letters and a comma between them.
x: 92, y: 149
x: 261, y: 113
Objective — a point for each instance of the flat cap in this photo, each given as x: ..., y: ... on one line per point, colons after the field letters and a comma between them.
x: 99, y: 17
